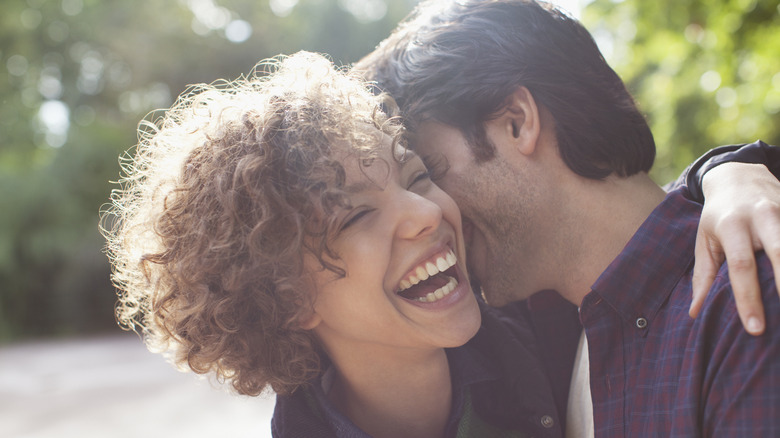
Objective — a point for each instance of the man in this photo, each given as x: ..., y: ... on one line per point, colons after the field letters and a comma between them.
x: 547, y: 155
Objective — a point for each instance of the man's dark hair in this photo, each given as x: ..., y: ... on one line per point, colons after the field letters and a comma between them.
x: 457, y: 62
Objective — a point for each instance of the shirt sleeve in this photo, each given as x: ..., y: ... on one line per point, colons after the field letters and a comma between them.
x: 740, y: 392
x: 756, y: 153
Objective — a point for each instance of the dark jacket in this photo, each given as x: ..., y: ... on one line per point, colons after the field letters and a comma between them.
x: 500, y: 368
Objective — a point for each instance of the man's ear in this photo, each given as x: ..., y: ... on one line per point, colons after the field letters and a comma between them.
x: 518, y: 124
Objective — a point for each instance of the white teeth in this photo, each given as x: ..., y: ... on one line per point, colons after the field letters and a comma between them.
x: 440, y: 292
x: 423, y: 272
x: 451, y: 258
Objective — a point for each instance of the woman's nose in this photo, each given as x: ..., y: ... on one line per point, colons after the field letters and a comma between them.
x: 418, y: 216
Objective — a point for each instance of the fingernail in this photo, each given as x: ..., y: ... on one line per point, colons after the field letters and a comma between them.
x: 754, y: 325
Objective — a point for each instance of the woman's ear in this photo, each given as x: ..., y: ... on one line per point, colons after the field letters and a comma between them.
x: 310, y: 320
x: 517, y: 126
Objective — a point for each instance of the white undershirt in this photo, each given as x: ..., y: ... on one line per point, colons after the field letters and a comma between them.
x: 579, y: 416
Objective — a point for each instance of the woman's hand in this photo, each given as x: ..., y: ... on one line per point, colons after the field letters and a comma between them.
x: 741, y: 215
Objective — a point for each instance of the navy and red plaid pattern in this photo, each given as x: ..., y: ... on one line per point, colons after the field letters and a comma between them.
x: 657, y: 372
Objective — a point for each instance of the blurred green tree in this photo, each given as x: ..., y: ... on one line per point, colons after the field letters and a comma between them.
x: 76, y: 76
x: 705, y: 72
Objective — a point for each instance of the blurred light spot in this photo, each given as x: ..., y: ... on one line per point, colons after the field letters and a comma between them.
x: 209, y: 14
x: 53, y: 59
x: 17, y: 65
x: 709, y: 40
x: 72, y: 7
x: 776, y: 81
x: 49, y: 84
x: 732, y: 22
x: 238, y: 31
x: 199, y: 28
x: 365, y: 11
x: 626, y: 31
x: 747, y: 5
x: 745, y: 94
x: 282, y: 8
x: 747, y: 127
x: 78, y: 50
x: 671, y: 65
x: 157, y: 96
x: 31, y: 97
x: 58, y: 31
x: 84, y: 115
x: 772, y: 102
x: 130, y: 102
x: 30, y: 18
x: 726, y: 97
x: 91, y: 73
x: 120, y: 75
x: 694, y: 33
x: 54, y: 117
x: 747, y: 70
x: 729, y: 114
x: 710, y: 80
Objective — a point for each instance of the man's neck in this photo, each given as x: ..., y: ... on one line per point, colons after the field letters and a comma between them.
x: 607, y: 215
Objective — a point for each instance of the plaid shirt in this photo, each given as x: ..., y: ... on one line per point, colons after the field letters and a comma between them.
x: 654, y: 370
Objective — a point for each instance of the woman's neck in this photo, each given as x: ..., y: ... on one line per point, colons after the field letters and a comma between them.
x: 407, y: 396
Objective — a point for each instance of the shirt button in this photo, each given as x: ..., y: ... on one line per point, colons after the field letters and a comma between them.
x: 641, y: 323
x: 548, y: 422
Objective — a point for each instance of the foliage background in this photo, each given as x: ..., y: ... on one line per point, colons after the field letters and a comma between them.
x: 76, y: 76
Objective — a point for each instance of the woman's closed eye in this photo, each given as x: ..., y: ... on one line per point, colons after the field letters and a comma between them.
x: 422, y: 176
x: 354, y: 217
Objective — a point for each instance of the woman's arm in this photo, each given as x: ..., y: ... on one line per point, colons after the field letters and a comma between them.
x: 741, y: 215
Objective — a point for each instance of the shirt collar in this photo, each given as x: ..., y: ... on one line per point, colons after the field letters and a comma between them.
x: 655, y: 259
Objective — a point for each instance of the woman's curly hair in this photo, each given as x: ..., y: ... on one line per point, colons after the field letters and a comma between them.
x: 218, y: 204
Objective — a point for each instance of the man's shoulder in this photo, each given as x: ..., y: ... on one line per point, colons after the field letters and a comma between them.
x: 736, y: 374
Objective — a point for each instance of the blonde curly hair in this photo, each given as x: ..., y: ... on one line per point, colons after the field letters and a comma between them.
x: 218, y: 204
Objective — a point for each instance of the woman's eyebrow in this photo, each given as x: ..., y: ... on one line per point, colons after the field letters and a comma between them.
x: 407, y: 156
x: 361, y: 186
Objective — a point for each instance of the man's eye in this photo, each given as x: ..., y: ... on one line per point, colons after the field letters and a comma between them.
x: 354, y: 218
x: 437, y: 166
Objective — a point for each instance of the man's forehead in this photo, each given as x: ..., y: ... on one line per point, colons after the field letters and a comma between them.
x: 432, y: 138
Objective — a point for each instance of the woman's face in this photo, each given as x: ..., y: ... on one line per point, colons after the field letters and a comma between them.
x: 401, y: 246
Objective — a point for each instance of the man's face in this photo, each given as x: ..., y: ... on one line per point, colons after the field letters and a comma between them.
x: 499, y: 206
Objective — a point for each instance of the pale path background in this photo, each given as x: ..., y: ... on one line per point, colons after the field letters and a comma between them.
x: 113, y: 387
